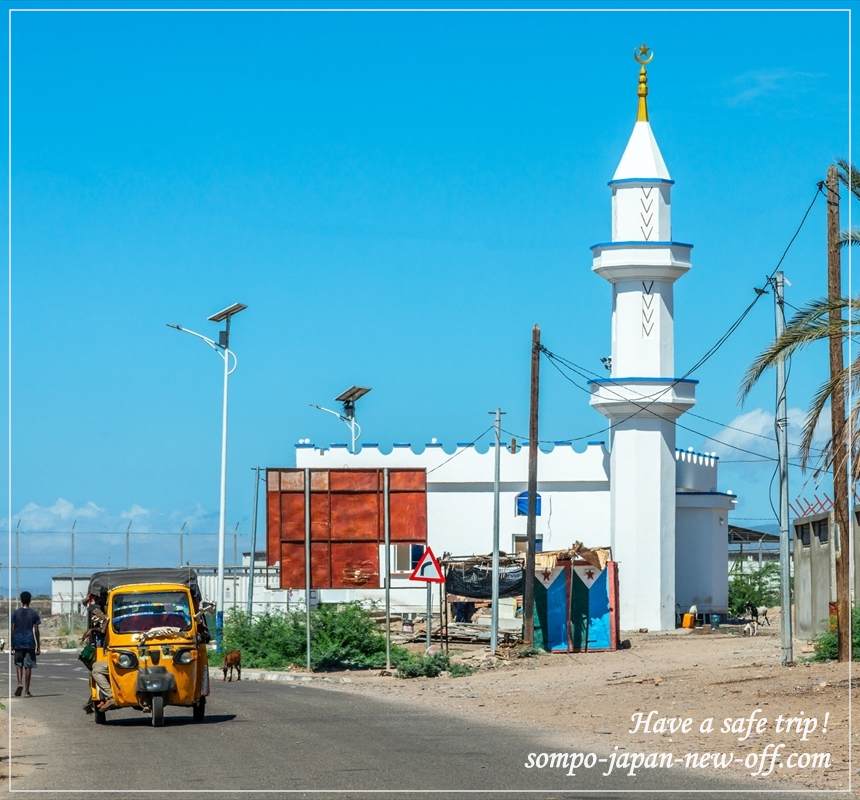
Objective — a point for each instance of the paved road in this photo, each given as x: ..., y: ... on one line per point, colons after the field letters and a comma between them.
x: 267, y: 737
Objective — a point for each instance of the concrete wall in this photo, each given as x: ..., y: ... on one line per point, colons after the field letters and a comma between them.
x: 814, y: 576
x: 702, y: 551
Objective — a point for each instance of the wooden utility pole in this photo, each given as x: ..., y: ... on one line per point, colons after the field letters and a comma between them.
x: 531, y: 526
x: 837, y: 416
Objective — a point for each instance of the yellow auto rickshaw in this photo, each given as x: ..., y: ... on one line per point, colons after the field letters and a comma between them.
x: 153, y: 646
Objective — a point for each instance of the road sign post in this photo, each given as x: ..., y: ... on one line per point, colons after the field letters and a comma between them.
x: 428, y: 570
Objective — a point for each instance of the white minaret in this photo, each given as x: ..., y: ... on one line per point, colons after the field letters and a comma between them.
x: 643, y: 398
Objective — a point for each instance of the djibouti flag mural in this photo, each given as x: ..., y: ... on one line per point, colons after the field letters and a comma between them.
x: 576, y: 607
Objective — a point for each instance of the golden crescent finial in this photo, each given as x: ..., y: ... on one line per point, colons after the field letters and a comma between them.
x: 643, y: 54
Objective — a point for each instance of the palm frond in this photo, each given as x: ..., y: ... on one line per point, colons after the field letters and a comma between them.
x: 810, y: 324
x: 833, y: 385
x: 849, y: 238
x: 850, y: 176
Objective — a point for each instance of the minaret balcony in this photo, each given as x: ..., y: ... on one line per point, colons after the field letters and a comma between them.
x: 643, y: 398
x: 649, y: 261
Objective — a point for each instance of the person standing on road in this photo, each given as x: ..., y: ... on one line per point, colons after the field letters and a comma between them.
x: 25, y: 642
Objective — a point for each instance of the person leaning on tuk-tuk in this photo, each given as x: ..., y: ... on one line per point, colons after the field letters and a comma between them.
x: 95, y: 637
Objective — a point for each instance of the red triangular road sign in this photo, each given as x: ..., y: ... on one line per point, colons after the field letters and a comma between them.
x: 427, y: 569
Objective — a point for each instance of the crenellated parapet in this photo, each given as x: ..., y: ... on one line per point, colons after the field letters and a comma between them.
x: 696, y: 472
x: 466, y: 462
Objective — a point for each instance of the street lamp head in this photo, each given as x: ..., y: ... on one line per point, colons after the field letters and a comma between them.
x: 352, y: 394
x: 226, y: 313
x: 174, y: 325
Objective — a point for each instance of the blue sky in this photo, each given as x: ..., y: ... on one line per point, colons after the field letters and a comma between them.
x: 397, y: 198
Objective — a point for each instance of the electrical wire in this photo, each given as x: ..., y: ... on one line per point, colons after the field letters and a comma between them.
x: 462, y: 450
x: 646, y: 407
x: 584, y: 372
x: 721, y: 340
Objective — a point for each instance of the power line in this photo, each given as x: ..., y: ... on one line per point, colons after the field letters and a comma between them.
x: 584, y: 372
x: 646, y: 407
x: 461, y: 450
x: 714, y: 348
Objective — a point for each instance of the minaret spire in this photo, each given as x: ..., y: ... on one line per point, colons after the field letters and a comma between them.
x: 643, y: 397
x: 643, y: 55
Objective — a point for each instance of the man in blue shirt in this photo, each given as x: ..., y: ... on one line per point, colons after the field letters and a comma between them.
x: 25, y: 642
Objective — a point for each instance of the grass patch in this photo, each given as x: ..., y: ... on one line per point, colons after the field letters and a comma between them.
x: 414, y: 665
x: 460, y: 670
x: 827, y: 643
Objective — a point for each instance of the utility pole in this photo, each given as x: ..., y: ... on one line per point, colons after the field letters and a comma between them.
x: 839, y: 446
x: 253, y: 561
x: 531, y: 526
x: 782, y: 447
x: 494, y: 620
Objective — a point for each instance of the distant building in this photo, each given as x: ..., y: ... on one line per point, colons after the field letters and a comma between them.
x: 751, y: 549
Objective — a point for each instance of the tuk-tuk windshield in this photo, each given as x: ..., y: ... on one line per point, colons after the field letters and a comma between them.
x: 139, y: 612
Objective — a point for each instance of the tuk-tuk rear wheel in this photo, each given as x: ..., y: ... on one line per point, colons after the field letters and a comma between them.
x: 157, y: 711
x: 199, y: 709
x: 100, y: 717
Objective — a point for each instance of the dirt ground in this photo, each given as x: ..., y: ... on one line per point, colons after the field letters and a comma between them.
x: 587, y: 699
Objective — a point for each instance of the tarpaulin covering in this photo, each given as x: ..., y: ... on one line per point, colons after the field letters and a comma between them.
x: 576, y: 607
x: 102, y: 582
x: 476, y: 581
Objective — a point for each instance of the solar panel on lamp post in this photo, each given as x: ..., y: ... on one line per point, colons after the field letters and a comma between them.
x: 222, y: 347
x: 348, y: 400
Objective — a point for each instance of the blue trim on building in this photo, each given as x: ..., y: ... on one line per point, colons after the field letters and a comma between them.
x: 613, y: 245
x: 402, y: 444
x: 433, y: 444
x: 344, y: 445
x: 303, y: 446
x: 721, y: 494
x: 696, y: 453
x: 667, y: 181
x: 643, y: 380
x: 600, y: 443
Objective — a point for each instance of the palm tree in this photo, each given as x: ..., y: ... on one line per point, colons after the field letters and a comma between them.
x: 814, y: 323
x: 821, y: 319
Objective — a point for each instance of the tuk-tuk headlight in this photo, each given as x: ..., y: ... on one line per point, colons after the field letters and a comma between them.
x: 127, y: 660
x: 184, y: 657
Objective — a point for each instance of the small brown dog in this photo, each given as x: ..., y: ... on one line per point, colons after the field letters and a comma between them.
x: 233, y: 659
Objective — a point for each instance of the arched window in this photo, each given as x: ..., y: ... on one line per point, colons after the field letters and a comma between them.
x: 522, y: 508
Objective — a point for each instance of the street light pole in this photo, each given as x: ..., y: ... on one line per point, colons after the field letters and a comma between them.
x: 222, y: 509
x: 222, y: 347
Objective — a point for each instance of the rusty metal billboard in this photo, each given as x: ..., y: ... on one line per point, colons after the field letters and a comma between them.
x: 346, y: 522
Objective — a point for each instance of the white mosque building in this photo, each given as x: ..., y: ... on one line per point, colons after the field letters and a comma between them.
x: 658, y: 507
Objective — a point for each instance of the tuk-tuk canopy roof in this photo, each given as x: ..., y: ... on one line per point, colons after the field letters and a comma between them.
x: 102, y: 582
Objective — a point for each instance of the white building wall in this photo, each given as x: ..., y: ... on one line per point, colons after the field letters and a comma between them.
x: 575, y: 506
x: 63, y: 598
x: 701, y: 549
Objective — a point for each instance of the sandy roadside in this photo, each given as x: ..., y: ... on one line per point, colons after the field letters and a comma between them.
x: 586, y: 700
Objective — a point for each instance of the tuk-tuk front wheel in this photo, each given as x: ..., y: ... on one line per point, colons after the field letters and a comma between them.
x: 157, y: 711
x: 199, y: 709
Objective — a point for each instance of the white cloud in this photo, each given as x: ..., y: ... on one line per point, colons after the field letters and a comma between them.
x: 135, y: 512
x: 746, y: 431
x: 755, y: 84
x: 62, y: 514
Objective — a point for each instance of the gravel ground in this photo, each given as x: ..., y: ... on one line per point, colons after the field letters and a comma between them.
x: 591, y: 697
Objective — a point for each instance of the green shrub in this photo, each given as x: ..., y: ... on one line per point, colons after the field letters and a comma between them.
x: 827, y: 643
x: 342, y: 637
x: 757, y: 588
x: 413, y: 665
x: 460, y: 670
